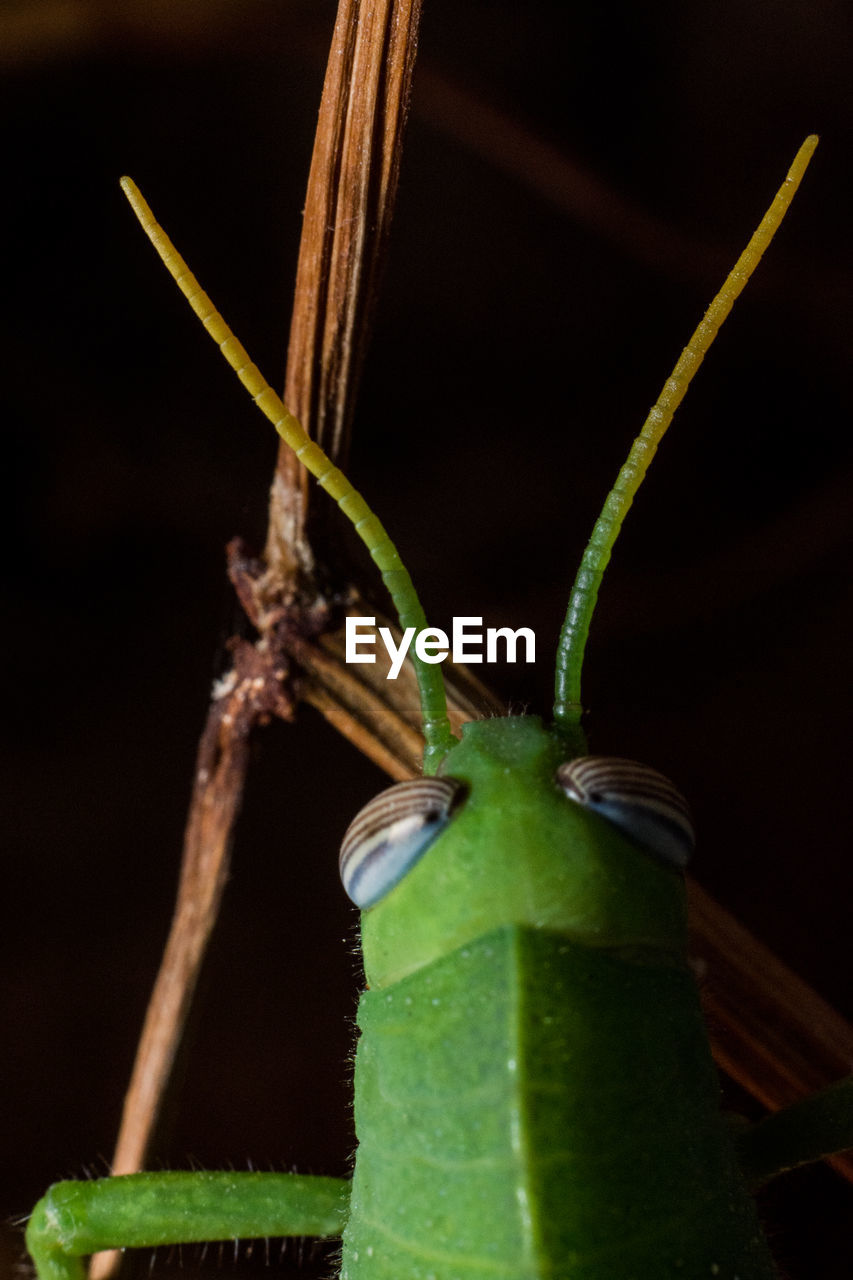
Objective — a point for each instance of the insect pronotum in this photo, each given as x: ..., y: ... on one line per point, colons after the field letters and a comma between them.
x: 534, y: 1092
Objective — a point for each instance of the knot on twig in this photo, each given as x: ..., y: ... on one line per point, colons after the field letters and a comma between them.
x: 291, y: 604
x: 285, y: 614
x: 255, y: 689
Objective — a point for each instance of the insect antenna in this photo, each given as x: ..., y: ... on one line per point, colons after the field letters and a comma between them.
x: 570, y: 650
x: 436, y: 726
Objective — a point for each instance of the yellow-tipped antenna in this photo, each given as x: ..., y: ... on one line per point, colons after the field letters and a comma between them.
x: 570, y: 651
x: 436, y: 725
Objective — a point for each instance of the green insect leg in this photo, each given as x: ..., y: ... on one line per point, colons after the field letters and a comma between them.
x: 819, y: 1126
x: 144, y: 1210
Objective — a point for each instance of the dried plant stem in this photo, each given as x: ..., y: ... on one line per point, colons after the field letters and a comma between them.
x: 770, y: 1031
x: 348, y: 210
x: 246, y: 698
x: 351, y: 190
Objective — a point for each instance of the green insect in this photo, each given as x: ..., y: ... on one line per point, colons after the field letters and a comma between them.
x: 534, y: 1090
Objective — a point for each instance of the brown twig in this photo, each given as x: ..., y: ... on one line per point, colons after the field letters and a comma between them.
x: 770, y: 1031
x: 247, y: 697
x: 351, y: 190
x: 348, y: 210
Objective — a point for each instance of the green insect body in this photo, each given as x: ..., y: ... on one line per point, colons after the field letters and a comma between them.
x: 534, y: 1092
x: 533, y: 1054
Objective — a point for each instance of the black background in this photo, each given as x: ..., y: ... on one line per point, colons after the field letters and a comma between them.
x: 516, y: 351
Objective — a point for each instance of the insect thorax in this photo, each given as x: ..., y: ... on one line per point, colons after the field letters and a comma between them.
x: 522, y: 1105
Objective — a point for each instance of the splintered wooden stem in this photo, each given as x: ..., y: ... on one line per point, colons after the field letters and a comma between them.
x: 217, y: 794
x: 769, y: 1030
x: 220, y: 776
x: 348, y: 210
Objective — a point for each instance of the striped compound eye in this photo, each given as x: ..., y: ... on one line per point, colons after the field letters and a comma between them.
x: 638, y: 800
x: 392, y: 833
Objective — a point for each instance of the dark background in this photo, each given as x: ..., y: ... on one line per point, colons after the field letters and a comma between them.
x: 517, y: 348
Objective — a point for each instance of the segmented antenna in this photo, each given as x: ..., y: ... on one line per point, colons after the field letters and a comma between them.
x: 570, y: 651
x: 436, y: 726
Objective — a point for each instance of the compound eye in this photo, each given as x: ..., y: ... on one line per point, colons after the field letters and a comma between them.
x: 392, y: 833
x: 638, y: 800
